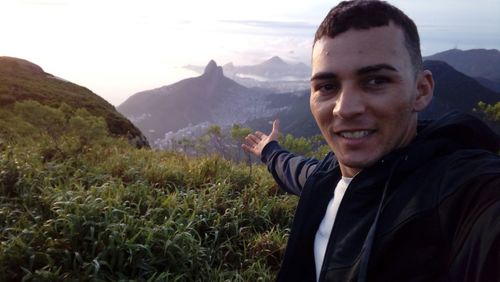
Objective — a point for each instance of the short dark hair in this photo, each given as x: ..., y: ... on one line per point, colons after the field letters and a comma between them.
x: 365, y: 14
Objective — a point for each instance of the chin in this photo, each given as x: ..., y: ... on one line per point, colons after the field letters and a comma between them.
x: 358, y: 164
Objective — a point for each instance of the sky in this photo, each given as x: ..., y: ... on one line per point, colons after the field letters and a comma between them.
x: 117, y: 48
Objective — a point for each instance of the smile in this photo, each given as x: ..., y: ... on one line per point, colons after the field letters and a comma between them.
x: 354, y: 134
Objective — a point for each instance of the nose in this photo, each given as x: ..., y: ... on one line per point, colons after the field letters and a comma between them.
x: 349, y: 103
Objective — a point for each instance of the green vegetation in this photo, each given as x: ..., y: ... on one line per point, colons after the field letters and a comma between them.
x: 21, y: 80
x: 492, y: 112
x: 78, y: 204
x: 227, y: 144
x: 314, y: 147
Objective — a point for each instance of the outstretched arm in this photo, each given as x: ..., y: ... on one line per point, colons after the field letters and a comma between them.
x: 289, y: 171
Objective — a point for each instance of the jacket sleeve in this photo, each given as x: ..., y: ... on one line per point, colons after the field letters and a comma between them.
x: 289, y: 171
x: 476, y: 243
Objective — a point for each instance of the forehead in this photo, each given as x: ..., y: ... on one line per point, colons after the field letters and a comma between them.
x: 355, y: 49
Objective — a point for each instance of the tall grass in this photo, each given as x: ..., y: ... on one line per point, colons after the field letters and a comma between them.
x: 110, y: 212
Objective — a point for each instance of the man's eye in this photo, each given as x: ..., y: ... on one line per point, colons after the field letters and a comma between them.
x: 326, y: 88
x: 377, y: 81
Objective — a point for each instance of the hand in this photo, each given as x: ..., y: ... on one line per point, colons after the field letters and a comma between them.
x: 255, y: 143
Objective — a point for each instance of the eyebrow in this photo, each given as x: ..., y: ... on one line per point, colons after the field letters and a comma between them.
x: 375, y: 68
x: 361, y: 71
x: 323, y: 76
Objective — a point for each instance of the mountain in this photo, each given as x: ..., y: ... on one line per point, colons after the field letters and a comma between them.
x: 274, y: 74
x: 455, y: 91
x: 209, y: 98
x: 22, y: 80
x: 477, y: 63
x: 490, y: 84
x: 274, y: 68
x: 295, y: 118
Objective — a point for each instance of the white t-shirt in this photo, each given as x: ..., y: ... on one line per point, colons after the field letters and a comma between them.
x: 325, y: 228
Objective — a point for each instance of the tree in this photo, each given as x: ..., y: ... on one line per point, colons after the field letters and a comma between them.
x: 300, y: 145
x: 238, y: 134
x: 187, y: 144
x: 215, y: 132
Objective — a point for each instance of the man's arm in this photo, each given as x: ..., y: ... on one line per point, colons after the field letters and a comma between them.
x: 289, y: 171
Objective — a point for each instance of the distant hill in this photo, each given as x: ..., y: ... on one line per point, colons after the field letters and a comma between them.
x: 274, y: 74
x: 295, y: 119
x: 274, y: 68
x: 22, y: 80
x: 455, y: 91
x: 490, y: 84
x: 211, y: 98
x: 477, y: 63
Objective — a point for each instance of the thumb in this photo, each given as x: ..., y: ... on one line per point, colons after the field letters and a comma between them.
x: 276, y: 128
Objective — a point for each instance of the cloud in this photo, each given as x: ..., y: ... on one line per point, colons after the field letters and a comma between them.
x: 273, y: 24
x: 44, y: 2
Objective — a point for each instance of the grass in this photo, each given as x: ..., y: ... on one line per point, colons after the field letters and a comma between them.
x: 112, y: 212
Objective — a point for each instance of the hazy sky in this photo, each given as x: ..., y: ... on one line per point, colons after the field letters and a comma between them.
x: 119, y: 47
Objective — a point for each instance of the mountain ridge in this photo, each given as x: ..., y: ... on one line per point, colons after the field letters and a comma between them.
x: 455, y: 90
x: 483, y: 63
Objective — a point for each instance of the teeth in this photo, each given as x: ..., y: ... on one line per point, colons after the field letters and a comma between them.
x: 354, y: 134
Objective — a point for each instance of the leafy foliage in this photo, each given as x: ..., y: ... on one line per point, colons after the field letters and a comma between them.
x: 312, y: 147
x: 492, y: 112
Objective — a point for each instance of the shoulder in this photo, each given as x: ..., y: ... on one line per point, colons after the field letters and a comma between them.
x: 468, y: 164
x: 446, y: 174
x: 327, y: 164
x: 471, y: 170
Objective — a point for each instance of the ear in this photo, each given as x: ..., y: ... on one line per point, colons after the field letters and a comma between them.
x: 425, y: 90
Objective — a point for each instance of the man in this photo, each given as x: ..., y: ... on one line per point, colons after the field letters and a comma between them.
x: 398, y: 199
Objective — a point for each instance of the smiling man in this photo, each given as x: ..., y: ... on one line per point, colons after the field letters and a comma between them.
x: 365, y: 94
x: 397, y: 199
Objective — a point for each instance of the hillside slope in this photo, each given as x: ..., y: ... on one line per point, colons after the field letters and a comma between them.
x: 455, y: 91
x: 22, y: 80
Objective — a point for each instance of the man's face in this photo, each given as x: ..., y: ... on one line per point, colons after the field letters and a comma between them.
x: 365, y: 95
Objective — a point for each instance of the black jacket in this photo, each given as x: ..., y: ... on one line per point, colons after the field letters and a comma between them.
x: 427, y: 212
